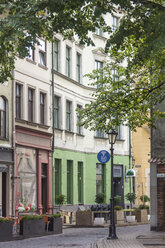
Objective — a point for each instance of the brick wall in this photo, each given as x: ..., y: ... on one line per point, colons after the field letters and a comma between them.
x: 161, y: 199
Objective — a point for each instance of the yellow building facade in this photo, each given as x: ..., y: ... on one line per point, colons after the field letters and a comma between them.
x: 141, y: 155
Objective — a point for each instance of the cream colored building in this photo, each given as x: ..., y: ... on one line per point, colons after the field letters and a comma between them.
x: 141, y: 155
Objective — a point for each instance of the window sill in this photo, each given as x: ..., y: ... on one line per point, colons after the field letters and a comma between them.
x: 20, y: 120
x: 2, y: 138
x: 67, y: 131
x: 43, y: 67
x: 78, y: 134
x: 103, y: 138
x: 31, y: 61
x: 43, y: 126
x: 58, y: 129
x: 120, y: 140
x: 100, y: 37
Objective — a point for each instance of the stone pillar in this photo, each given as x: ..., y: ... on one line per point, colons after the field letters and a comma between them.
x: 15, y: 183
x: 39, y: 188
x: 49, y: 184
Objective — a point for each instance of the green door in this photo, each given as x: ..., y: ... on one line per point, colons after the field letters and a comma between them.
x: 69, y: 181
x: 57, y: 177
x: 80, y: 182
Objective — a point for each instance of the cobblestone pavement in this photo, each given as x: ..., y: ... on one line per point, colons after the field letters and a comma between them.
x: 84, y: 238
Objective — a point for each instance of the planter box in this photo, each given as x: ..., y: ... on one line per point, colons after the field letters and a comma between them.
x: 119, y: 217
x: 141, y: 215
x: 32, y: 227
x: 130, y: 218
x: 6, y: 231
x: 84, y: 218
x: 55, y: 225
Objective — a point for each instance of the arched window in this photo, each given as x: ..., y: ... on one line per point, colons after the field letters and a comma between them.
x: 3, y: 114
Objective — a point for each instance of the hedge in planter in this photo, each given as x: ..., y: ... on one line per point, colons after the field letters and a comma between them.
x: 32, y: 225
x: 6, y: 227
x: 55, y: 224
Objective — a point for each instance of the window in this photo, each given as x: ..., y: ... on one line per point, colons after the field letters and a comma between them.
x: 42, y: 108
x: 100, y: 133
x: 31, y: 53
x: 80, y: 182
x: 56, y: 55
x: 115, y: 75
x: 98, y: 64
x: 79, y: 128
x: 3, y: 115
x: 18, y: 100
x: 68, y: 61
x: 56, y: 112
x: 100, y: 178
x: 78, y: 67
x: 69, y: 181
x: 68, y: 115
x: 30, y: 104
x: 57, y: 177
x: 99, y: 31
x: 115, y: 23
x: 119, y: 130
x: 42, y: 52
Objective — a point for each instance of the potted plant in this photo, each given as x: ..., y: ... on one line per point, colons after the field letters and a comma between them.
x: 100, y: 198
x: 6, y: 227
x: 84, y: 218
x: 55, y: 223
x: 142, y: 212
x: 131, y: 198
x: 32, y: 225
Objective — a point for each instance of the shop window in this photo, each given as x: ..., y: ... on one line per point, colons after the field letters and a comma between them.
x: 100, y: 178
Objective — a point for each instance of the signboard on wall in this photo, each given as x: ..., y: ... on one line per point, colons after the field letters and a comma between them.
x: 130, y: 173
x: 103, y: 156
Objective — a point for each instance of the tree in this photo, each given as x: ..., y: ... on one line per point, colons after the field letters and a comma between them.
x: 138, y: 86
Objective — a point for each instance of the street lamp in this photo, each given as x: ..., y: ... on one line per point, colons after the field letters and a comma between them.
x: 112, y: 229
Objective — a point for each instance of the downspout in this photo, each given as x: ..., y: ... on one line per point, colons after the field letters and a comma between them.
x: 53, y: 138
x: 130, y: 158
x: 13, y: 145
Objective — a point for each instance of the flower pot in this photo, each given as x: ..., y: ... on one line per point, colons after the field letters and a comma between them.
x: 141, y: 215
x: 119, y: 216
x: 6, y: 231
x: 55, y: 225
x: 130, y: 218
x: 32, y: 227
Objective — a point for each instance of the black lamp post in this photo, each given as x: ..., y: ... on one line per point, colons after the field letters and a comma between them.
x: 112, y: 229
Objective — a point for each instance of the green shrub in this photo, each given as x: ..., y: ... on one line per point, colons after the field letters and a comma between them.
x: 6, y: 219
x: 32, y: 217
x: 60, y: 199
x: 143, y: 206
x: 118, y: 208
x: 144, y: 199
x: 131, y: 197
x: 100, y: 198
x: 117, y: 199
x: 56, y: 215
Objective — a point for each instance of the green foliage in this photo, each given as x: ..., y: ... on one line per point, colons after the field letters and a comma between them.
x: 117, y: 199
x: 131, y: 197
x: 60, y: 199
x: 58, y: 215
x: 6, y: 219
x: 100, y: 198
x: 32, y: 217
x: 143, y: 206
x: 144, y: 198
x: 118, y: 208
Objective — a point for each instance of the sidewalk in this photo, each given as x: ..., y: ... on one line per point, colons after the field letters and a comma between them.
x: 149, y: 239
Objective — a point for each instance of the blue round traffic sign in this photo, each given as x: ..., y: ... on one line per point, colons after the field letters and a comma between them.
x: 103, y: 156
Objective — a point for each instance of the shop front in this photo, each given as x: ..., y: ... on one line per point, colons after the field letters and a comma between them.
x: 33, y: 171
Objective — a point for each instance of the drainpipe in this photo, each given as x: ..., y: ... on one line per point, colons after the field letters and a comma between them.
x: 13, y: 145
x: 53, y: 139
x: 130, y: 157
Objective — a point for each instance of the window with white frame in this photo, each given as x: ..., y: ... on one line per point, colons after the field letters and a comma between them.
x: 79, y: 128
x: 30, y: 54
x: 99, y: 31
x: 98, y: 64
x: 42, y: 52
x: 3, y: 117
x: 68, y: 115
x: 56, y: 111
x: 42, y: 107
x: 100, y: 133
x: 100, y: 178
x: 119, y: 131
x: 30, y: 104
x: 78, y: 67
x: 56, y: 55
x: 18, y: 104
x: 115, y: 23
x: 68, y: 61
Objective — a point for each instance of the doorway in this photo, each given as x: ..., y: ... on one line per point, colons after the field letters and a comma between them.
x: 119, y: 183
x: 44, y: 187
